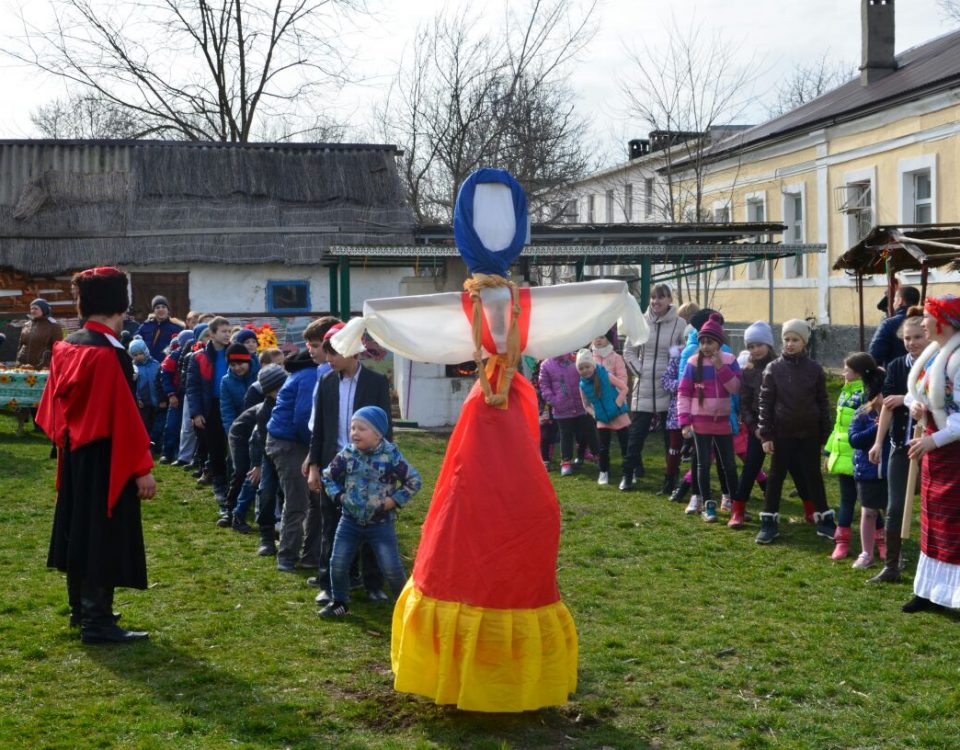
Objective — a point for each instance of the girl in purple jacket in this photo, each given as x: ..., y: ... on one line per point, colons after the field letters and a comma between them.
x: 709, y: 378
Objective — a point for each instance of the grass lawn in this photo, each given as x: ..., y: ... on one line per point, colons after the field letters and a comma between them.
x: 691, y: 636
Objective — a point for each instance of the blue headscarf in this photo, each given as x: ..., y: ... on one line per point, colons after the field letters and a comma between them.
x: 478, y: 258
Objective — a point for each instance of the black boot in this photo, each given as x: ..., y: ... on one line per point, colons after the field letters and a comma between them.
x: 267, y: 548
x: 97, y: 624
x: 769, y: 528
x: 891, y: 566
x: 74, y: 590
x: 680, y: 493
x: 826, y: 524
x: 919, y: 604
x: 240, y: 524
x: 669, y: 485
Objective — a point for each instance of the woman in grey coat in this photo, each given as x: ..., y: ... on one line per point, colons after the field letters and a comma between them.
x: 646, y: 364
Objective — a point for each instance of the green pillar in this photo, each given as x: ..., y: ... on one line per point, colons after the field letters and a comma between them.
x: 334, y: 290
x: 645, y: 280
x: 579, y: 270
x: 344, y: 288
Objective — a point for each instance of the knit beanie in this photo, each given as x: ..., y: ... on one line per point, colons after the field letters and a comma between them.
x: 125, y: 338
x: 237, y: 353
x: 159, y: 300
x: 43, y: 305
x: 585, y: 356
x: 271, y: 378
x: 702, y: 316
x: 198, y: 330
x: 758, y: 333
x: 244, y: 334
x: 713, y: 328
x: 799, y: 327
x: 375, y: 417
x: 138, y: 346
x: 184, y: 337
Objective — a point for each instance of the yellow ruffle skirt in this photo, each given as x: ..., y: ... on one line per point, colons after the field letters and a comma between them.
x: 482, y: 659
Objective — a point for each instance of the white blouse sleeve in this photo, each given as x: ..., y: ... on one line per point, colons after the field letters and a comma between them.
x: 951, y: 430
x: 435, y: 328
x: 566, y: 317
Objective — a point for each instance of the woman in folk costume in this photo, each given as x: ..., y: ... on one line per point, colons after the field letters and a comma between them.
x: 932, y: 395
x: 480, y: 623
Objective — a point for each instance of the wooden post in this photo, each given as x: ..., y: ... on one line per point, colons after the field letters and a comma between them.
x: 863, y: 341
x: 645, y: 272
x: 334, y: 290
x: 344, y: 288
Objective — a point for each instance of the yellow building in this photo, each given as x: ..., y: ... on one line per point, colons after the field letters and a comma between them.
x: 883, y: 149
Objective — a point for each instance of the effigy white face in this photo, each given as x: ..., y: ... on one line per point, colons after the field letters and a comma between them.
x: 494, y: 218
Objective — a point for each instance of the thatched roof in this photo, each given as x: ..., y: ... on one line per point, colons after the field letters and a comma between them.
x: 71, y: 204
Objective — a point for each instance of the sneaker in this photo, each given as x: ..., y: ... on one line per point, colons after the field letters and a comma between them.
x: 626, y: 483
x: 769, y: 528
x: 164, y: 460
x: 863, y: 561
x: 324, y: 597
x: 566, y: 469
x: 668, y: 486
x: 316, y: 581
x: 680, y: 492
x: 378, y: 595
x: 335, y: 609
x: 604, y: 477
x: 709, y: 514
x: 241, y: 526
x: 693, y: 507
x: 224, y: 521
x: 285, y: 567
x: 726, y: 504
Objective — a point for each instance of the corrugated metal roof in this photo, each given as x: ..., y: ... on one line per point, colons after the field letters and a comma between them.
x: 921, y: 70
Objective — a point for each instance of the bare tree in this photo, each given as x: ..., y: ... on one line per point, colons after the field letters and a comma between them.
x: 196, y: 69
x: 690, y: 94
x: 464, y: 99
x: 87, y: 116
x: 950, y: 10
x: 807, y: 82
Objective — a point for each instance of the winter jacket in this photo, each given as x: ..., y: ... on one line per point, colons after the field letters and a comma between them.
x: 793, y: 399
x: 712, y: 416
x: 560, y: 387
x: 751, y: 379
x: 886, y: 345
x: 838, y: 444
x: 861, y: 436
x: 648, y: 361
x: 232, y: 391
x: 690, y: 350
x: 148, y: 382
x: 291, y: 415
x: 613, y: 363
x: 170, y: 381
x: 258, y: 440
x: 200, y: 386
x: 670, y: 380
x: 158, y: 336
x: 895, y: 384
x: 609, y: 407
x: 361, y: 481
x: 36, y: 342
x: 253, y: 396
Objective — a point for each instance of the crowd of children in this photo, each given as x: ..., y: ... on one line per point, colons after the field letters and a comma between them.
x: 244, y: 422
x: 751, y: 406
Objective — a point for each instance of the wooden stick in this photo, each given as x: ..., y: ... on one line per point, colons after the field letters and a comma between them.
x: 912, y: 477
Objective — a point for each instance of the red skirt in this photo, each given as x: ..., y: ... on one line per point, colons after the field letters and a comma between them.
x: 940, y: 503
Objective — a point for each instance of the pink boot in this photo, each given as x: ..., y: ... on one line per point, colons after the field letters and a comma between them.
x: 842, y: 540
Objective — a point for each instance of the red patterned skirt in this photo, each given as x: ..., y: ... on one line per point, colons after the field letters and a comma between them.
x: 940, y: 503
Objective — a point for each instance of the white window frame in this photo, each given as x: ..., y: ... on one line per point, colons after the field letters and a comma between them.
x: 907, y: 170
x: 648, y: 186
x: 788, y: 196
x: 591, y: 209
x: 609, y: 204
x: 849, y: 178
x: 628, y: 202
x: 721, y: 274
x: 757, y: 270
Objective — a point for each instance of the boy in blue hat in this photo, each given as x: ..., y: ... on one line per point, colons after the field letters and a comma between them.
x: 368, y: 479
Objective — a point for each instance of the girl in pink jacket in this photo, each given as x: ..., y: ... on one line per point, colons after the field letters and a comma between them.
x: 709, y: 378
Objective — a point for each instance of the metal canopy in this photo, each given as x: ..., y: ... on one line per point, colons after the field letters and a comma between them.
x: 905, y: 247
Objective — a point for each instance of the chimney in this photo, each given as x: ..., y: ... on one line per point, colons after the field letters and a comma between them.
x: 877, y: 38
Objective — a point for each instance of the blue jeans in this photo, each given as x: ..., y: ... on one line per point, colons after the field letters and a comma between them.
x: 382, y: 539
x: 267, y: 494
x: 171, y: 432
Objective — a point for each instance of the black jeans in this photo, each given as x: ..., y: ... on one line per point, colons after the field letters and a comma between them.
x: 640, y: 422
x: 705, y: 445
x: 216, y: 442
x: 799, y: 457
x: 606, y: 436
x: 751, y: 467
x: 584, y: 429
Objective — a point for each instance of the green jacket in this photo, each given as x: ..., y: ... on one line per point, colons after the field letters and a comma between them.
x: 838, y: 444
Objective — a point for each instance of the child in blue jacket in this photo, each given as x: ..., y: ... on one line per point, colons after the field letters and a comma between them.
x: 148, y: 390
x: 871, y: 478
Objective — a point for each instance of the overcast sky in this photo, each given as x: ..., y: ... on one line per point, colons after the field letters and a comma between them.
x: 777, y: 36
